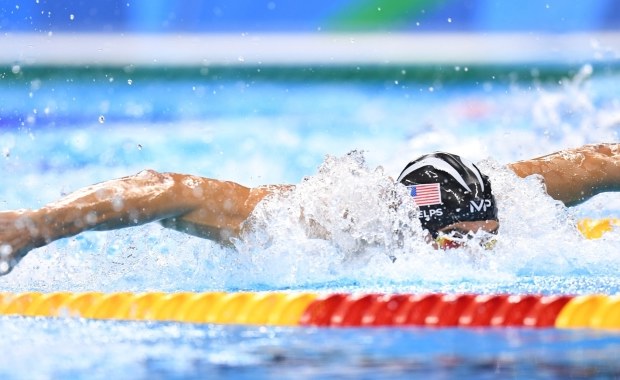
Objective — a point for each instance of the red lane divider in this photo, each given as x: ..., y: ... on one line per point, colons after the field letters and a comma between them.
x: 350, y: 311
x: 433, y: 310
x: 545, y: 312
x: 421, y: 305
x: 447, y: 310
x: 320, y: 311
x: 512, y: 311
x: 480, y: 312
x: 384, y: 309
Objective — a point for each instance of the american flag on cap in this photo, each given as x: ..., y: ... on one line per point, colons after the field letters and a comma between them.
x: 426, y: 194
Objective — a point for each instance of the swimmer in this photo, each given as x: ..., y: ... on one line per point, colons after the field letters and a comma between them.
x: 454, y: 199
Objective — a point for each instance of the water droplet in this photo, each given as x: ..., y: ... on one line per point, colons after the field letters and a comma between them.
x: 16, y: 69
x: 101, y: 119
x: 5, y: 250
x: 449, y: 19
x: 71, y: 17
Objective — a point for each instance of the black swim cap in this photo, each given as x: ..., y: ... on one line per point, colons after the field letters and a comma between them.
x: 448, y: 189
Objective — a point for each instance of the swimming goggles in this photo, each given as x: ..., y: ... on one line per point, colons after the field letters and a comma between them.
x: 458, y: 239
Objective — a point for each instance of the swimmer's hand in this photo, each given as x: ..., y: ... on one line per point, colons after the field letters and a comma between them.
x: 18, y: 236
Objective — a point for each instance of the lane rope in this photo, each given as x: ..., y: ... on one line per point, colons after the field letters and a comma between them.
x: 596, y: 228
x: 328, y: 310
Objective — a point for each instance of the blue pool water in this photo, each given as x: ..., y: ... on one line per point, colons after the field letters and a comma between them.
x: 60, y: 130
x: 130, y: 350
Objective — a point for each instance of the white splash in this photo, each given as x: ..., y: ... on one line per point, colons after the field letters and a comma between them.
x: 332, y: 224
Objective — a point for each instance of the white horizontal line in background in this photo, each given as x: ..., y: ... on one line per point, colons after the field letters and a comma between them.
x: 302, y: 49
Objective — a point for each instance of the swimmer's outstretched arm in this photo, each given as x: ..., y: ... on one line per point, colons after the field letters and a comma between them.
x: 574, y: 175
x: 200, y: 206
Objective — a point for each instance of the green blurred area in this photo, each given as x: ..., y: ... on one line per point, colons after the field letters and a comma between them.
x: 317, y: 73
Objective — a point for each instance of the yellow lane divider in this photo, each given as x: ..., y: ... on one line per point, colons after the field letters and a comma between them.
x: 578, y: 312
x: 263, y: 308
x: 596, y: 228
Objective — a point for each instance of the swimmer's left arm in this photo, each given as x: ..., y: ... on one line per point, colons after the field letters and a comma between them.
x: 574, y: 175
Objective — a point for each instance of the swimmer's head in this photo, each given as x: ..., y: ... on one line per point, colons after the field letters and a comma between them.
x: 448, y: 190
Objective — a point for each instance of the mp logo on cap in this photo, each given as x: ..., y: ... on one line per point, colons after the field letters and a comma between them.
x: 479, y: 206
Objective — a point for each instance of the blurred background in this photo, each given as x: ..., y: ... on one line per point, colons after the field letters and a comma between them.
x: 340, y: 31
x: 160, y: 16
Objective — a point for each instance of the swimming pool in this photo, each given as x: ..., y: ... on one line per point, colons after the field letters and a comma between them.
x: 66, y: 128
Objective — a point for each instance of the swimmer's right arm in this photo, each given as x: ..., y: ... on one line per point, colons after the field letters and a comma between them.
x: 200, y: 206
x: 574, y: 175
